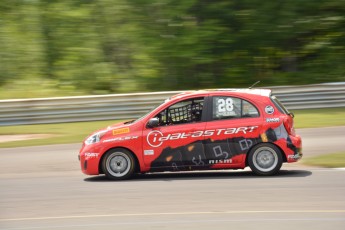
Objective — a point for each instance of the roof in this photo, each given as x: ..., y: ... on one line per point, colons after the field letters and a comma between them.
x: 261, y: 92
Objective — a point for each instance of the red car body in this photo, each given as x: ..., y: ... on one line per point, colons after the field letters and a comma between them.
x: 213, y: 129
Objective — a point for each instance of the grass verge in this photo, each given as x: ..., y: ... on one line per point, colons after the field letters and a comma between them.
x: 316, y: 118
x: 333, y: 160
x: 64, y: 133
x: 76, y: 132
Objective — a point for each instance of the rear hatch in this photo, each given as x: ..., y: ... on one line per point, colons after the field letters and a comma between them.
x: 288, y: 119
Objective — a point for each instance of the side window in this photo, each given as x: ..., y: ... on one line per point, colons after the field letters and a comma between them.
x: 249, y: 110
x: 232, y: 107
x: 226, y: 107
x: 182, y: 112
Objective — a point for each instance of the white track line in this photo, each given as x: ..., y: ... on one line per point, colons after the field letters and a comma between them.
x: 117, y: 224
x: 342, y: 169
x: 171, y: 213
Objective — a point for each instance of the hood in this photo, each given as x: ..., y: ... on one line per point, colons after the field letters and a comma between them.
x: 117, y: 126
x: 120, y: 125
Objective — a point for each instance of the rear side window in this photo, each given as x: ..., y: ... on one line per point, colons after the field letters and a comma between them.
x: 279, y: 105
x: 232, y: 107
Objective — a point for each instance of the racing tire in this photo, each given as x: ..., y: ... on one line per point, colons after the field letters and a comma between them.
x: 265, y: 159
x: 118, y: 164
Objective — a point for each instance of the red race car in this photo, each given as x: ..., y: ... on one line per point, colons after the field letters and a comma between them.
x: 199, y: 130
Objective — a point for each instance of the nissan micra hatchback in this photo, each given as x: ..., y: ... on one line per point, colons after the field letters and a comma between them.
x: 199, y: 130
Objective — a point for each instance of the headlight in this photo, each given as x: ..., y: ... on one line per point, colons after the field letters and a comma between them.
x: 94, y: 138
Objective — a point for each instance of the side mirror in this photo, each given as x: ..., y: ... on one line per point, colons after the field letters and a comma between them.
x: 292, y: 115
x: 153, y: 122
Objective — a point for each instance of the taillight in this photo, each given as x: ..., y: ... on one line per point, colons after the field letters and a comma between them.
x: 288, y: 123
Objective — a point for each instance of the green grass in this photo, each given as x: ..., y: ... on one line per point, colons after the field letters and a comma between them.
x: 63, y: 133
x: 314, y: 118
x: 76, y: 132
x: 333, y: 160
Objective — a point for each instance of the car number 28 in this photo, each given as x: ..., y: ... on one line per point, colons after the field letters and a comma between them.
x: 225, y: 105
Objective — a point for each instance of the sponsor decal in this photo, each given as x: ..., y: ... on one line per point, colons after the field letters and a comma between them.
x: 211, y: 151
x: 269, y: 109
x: 156, y: 138
x: 264, y: 137
x: 225, y: 161
x: 121, y: 131
x: 295, y: 157
x: 91, y: 155
x: 121, y: 138
x: 275, y: 119
x: 149, y: 152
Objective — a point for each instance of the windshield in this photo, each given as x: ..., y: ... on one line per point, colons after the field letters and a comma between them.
x: 149, y: 111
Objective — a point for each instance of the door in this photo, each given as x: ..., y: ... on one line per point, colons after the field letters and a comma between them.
x: 234, y: 124
x: 176, y: 144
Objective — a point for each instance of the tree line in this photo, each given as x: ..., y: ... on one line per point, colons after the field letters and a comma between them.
x: 111, y: 46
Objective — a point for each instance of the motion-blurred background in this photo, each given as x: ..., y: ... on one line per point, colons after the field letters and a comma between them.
x: 58, y: 48
x: 80, y: 47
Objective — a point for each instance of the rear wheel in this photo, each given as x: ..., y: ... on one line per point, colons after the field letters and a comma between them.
x: 265, y: 159
x: 118, y: 164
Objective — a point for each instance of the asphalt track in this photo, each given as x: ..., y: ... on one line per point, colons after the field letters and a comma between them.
x: 42, y: 188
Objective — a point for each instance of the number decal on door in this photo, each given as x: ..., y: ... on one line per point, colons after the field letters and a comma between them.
x: 225, y: 105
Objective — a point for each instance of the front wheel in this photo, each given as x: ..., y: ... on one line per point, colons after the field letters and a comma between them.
x: 118, y: 164
x: 265, y: 159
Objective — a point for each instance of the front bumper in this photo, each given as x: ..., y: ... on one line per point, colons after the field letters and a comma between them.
x: 89, y: 157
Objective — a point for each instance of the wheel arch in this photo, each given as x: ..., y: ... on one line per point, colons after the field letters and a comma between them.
x: 280, y: 149
x: 137, y: 164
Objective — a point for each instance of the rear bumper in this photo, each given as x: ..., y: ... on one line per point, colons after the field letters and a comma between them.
x: 295, y: 157
x: 295, y: 145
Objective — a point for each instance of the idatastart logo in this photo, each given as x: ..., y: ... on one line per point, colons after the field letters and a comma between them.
x: 156, y: 138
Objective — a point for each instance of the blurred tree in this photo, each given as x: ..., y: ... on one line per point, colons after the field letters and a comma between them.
x: 234, y: 43
x: 21, y: 50
x: 104, y: 46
